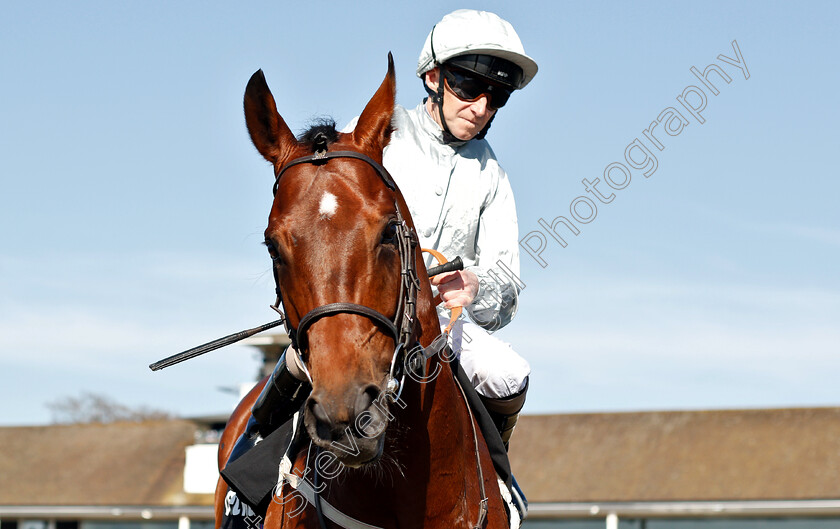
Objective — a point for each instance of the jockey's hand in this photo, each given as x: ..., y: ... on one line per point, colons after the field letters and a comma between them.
x: 457, y: 289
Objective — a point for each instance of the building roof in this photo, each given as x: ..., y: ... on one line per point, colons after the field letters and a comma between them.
x: 671, y: 456
x: 739, y: 455
x: 127, y: 463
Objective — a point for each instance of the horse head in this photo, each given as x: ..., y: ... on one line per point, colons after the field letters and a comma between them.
x: 334, y: 236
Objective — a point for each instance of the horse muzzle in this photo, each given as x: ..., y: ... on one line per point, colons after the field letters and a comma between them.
x: 354, y: 430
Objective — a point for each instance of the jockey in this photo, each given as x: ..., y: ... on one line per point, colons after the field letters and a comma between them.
x: 460, y: 197
x: 462, y: 205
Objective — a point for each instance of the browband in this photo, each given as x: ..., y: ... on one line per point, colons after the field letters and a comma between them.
x: 322, y: 156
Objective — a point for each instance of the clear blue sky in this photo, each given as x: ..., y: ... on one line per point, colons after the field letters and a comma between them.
x: 133, y: 203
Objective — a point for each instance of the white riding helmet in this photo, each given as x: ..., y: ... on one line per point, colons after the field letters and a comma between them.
x: 470, y: 32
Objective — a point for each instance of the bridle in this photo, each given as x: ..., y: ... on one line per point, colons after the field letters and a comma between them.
x: 402, y: 327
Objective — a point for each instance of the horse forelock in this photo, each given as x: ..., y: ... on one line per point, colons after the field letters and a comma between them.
x: 320, y: 135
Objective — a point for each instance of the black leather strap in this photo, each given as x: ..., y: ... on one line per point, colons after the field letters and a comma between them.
x: 322, y: 157
x: 341, y: 308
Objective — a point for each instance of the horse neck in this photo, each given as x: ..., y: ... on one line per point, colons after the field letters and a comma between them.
x: 436, y: 412
x: 437, y: 448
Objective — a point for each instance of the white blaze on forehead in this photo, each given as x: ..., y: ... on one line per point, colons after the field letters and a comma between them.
x: 328, y: 205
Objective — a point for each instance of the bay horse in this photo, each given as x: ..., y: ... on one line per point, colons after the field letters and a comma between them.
x: 334, y: 238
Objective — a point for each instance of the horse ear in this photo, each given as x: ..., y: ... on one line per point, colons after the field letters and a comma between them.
x: 373, y: 129
x: 270, y: 134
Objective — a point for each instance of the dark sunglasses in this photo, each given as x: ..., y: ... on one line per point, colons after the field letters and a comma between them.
x: 469, y: 87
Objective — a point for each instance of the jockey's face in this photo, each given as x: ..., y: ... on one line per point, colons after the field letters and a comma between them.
x: 465, y: 119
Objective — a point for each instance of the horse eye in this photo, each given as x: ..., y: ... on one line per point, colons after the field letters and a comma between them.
x: 389, y: 234
x: 272, y: 251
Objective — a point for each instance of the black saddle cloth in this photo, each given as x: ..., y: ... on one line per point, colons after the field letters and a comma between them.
x: 254, y: 475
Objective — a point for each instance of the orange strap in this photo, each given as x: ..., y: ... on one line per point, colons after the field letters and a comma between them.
x: 455, y: 311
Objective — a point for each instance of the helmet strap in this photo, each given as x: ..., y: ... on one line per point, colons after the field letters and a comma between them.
x: 448, y: 137
x: 437, y: 99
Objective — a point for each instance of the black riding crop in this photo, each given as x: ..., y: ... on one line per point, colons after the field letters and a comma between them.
x: 455, y: 264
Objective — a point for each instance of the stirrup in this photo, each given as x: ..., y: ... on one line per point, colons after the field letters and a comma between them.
x: 282, y: 396
x: 519, y: 499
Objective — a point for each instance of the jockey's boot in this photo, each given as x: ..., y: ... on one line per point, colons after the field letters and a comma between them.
x: 284, y: 393
x: 505, y: 414
x: 246, y: 441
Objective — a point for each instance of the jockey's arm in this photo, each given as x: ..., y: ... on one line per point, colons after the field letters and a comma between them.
x: 497, y: 267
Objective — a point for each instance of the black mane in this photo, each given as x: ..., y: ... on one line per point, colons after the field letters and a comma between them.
x: 320, y: 135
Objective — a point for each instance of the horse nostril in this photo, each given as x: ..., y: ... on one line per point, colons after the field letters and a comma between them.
x: 370, y: 420
x: 367, y: 396
x: 323, y: 424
